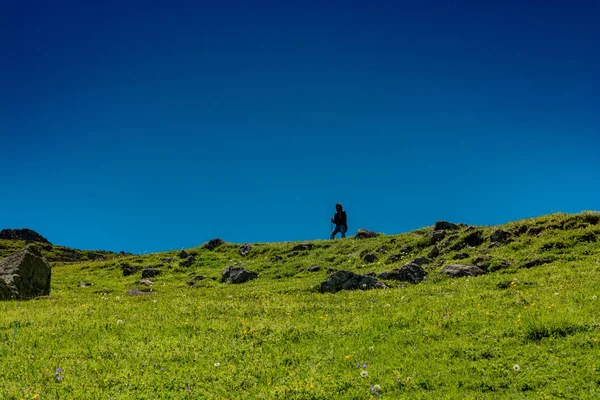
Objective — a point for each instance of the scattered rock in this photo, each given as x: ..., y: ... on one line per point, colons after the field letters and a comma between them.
x: 445, y: 226
x: 483, y: 262
x: 365, y: 234
x: 449, y: 241
x: 313, y: 268
x: 195, y: 279
x: 183, y: 254
x: 346, y: 280
x: 129, y: 269
x: 370, y: 258
x: 434, y: 253
x: 382, y: 249
x: 276, y: 258
x: 146, y: 282
x: 244, y: 250
x: 167, y: 260
x: 303, y: 247
x: 458, y: 270
x: 213, y: 244
x: 331, y: 270
x: 500, y: 236
x: 410, y: 272
x: 85, y: 284
x: 237, y: 275
x: 420, y: 261
x: 461, y: 256
x: 188, y: 262
x: 24, y: 274
x: 535, y: 263
x: 474, y: 239
x: 150, y: 272
x: 437, y: 236
x: 22, y: 234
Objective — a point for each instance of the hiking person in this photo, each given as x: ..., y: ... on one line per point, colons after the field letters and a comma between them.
x: 339, y: 219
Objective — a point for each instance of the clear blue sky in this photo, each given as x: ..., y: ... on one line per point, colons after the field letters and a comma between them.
x: 146, y: 126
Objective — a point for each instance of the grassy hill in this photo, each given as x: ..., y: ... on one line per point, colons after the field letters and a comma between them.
x: 521, y: 330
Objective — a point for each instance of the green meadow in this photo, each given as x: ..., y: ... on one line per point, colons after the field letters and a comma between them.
x: 512, y: 333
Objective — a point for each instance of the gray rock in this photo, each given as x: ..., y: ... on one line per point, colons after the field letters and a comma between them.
x: 445, y: 226
x: 313, y: 268
x: 461, y: 256
x: 146, y: 282
x: 535, y: 263
x: 236, y: 275
x: 150, y: 272
x: 276, y: 258
x: 434, y: 253
x: 346, y: 280
x: 24, y: 274
x: 370, y: 258
x: 395, y: 258
x: 437, y: 236
x: 474, y: 239
x: 167, y: 260
x: 244, y: 250
x: 83, y: 284
x: 22, y: 234
x: 365, y: 234
x: 188, y: 262
x: 459, y: 270
x: 213, y: 244
x: 420, y: 261
x: 410, y: 272
x: 138, y: 292
x: 500, y: 236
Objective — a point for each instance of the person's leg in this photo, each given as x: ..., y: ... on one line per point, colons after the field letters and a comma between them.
x: 335, y: 231
x: 343, y: 230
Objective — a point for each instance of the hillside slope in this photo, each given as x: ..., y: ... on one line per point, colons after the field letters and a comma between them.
x: 527, y: 328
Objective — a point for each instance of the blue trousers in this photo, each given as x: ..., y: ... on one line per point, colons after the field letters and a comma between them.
x: 339, y: 228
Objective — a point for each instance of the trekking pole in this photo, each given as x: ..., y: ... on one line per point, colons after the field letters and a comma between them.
x: 330, y: 229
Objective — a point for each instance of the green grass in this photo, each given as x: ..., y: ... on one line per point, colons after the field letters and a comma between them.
x: 510, y: 334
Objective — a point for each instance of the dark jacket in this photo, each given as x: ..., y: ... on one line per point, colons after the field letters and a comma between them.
x: 340, y: 218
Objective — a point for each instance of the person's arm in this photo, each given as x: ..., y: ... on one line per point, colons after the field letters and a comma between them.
x: 344, y: 219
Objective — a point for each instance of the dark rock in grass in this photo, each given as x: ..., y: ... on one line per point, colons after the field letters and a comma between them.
x: 346, y: 280
x: 445, y: 226
x: 458, y: 270
x: 83, y: 284
x: 461, y: 256
x: 24, y: 274
x: 150, y: 272
x: 483, y: 262
x: 138, y: 292
x: 129, y: 269
x: 410, y: 272
x: 434, y: 253
x: 449, y: 241
x: 365, y: 234
x: 167, y: 260
x: 27, y: 235
x: 437, y: 236
x: 244, y: 250
x: 331, y: 270
x: 474, y: 239
x: 420, y: 261
x: 303, y: 247
x: 188, y: 262
x: 382, y: 249
x: 276, y: 258
x: 183, y: 254
x: 313, y: 268
x: 370, y: 258
x: 500, y: 236
x: 535, y: 263
x: 195, y: 279
x: 237, y: 275
x: 213, y: 244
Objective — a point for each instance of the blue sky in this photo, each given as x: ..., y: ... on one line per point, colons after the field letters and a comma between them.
x: 146, y: 127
